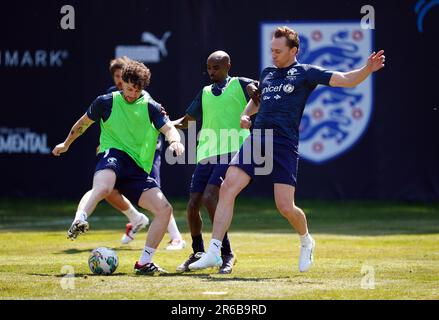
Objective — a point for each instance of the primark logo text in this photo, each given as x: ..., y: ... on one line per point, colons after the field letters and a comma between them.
x: 35, y: 58
x: 22, y: 140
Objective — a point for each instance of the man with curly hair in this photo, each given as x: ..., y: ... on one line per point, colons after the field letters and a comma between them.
x: 137, y: 220
x: 130, y: 122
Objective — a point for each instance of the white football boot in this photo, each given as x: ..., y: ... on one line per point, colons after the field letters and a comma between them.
x: 306, y: 256
x: 77, y: 227
x: 207, y: 260
x: 132, y: 228
x: 176, y: 244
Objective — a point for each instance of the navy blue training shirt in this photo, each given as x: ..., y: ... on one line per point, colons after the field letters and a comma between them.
x: 111, y: 89
x: 284, y: 92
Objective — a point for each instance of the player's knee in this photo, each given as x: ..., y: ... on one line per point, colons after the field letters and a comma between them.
x: 193, y: 207
x: 285, y: 208
x: 114, y: 194
x: 228, y: 189
x: 165, y: 210
x: 103, y: 191
x: 209, y: 201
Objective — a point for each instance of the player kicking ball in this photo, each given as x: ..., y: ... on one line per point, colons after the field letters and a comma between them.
x: 128, y: 138
x: 284, y: 90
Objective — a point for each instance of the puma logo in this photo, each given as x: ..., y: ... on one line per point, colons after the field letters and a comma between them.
x: 148, y: 37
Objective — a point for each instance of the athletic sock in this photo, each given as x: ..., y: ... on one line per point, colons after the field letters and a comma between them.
x: 132, y: 214
x: 226, y: 249
x: 197, y: 243
x: 215, y: 247
x: 81, y: 215
x: 147, y: 255
x: 173, y: 229
x: 306, y: 240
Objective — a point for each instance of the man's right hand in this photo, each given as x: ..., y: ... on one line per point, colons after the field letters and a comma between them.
x: 60, y: 148
x: 246, y: 122
x: 177, y: 148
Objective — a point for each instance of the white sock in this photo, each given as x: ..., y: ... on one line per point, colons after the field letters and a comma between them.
x: 81, y: 215
x: 173, y: 229
x: 147, y: 255
x: 306, y: 239
x: 132, y: 214
x: 215, y: 247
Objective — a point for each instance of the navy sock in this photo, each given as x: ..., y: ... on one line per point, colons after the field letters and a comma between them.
x: 226, y: 249
x: 197, y: 243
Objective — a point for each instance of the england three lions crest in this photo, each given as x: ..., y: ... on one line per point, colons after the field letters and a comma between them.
x: 334, y: 119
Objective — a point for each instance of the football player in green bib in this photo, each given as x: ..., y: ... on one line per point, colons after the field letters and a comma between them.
x: 219, y: 106
x: 130, y: 122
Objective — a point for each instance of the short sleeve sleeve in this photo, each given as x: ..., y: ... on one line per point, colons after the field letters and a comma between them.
x: 317, y: 75
x: 195, y: 109
x: 96, y: 110
x: 157, y: 114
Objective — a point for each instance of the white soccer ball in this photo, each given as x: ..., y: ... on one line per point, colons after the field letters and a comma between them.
x: 103, y: 261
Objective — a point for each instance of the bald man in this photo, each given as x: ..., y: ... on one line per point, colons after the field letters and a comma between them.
x: 219, y: 106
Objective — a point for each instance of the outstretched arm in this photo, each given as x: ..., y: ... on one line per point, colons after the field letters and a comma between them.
x: 251, y: 109
x: 78, y: 129
x: 353, y: 78
x: 183, y: 122
x: 173, y: 138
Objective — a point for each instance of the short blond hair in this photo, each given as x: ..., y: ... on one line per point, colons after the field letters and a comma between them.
x: 291, y: 36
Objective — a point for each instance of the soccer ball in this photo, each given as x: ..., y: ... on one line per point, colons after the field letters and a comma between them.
x: 103, y: 261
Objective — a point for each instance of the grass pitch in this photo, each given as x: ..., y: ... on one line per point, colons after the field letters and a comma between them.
x: 364, y: 250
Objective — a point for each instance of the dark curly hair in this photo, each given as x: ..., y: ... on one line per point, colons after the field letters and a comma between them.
x: 136, y: 73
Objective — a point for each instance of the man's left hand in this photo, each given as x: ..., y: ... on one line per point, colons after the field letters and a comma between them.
x: 376, y: 61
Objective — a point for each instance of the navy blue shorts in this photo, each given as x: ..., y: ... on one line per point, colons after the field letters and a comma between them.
x: 256, y: 158
x: 155, y: 171
x: 131, y: 180
x: 209, y: 173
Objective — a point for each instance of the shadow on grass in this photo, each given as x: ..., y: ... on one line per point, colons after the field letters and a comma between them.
x: 215, y: 277
x: 79, y: 275
x: 203, y: 276
x: 78, y: 251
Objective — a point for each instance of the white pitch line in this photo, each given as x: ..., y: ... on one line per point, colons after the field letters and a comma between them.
x: 215, y: 293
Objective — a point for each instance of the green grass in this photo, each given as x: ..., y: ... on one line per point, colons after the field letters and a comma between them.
x: 397, y: 244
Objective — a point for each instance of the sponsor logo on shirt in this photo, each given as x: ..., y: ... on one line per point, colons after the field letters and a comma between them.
x: 288, y: 88
x: 112, y: 162
x: 292, y: 72
x: 270, y: 89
